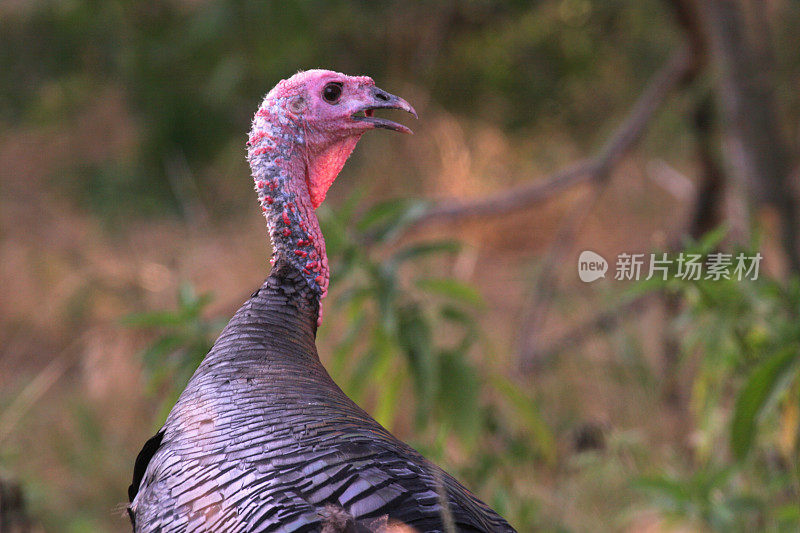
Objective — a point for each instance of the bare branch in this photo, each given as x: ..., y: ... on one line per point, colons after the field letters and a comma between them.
x: 594, y: 168
x: 758, y: 154
x: 605, y: 321
x: 546, y: 285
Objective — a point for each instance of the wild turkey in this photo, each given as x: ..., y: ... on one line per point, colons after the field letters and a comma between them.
x: 262, y: 439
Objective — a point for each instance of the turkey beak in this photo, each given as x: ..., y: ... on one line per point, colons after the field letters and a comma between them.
x: 380, y: 99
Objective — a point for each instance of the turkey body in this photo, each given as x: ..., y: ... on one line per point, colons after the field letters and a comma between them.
x: 262, y: 439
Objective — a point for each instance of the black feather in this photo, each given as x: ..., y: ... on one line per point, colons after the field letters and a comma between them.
x: 262, y: 439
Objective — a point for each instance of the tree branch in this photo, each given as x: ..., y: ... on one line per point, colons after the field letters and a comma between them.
x: 546, y: 285
x: 593, y: 168
x: 758, y: 154
x: 604, y: 322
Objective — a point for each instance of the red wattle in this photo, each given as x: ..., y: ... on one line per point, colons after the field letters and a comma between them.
x: 323, y: 167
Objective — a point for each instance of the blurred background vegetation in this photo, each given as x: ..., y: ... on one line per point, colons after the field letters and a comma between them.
x: 129, y: 234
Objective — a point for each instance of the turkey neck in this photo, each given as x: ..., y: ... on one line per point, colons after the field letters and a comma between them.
x: 274, y: 330
x: 279, y: 163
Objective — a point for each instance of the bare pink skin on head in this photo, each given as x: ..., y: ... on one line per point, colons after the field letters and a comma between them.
x: 302, y: 134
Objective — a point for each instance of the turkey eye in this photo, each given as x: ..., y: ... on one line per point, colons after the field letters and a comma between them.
x: 332, y: 92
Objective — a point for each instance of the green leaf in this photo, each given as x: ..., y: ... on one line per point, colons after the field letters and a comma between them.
x: 162, y: 347
x: 152, y: 319
x: 543, y: 437
x: 384, y: 220
x: 389, y: 396
x: 766, y: 380
x: 789, y: 514
x: 334, y: 229
x: 672, y: 490
x: 458, y: 394
x: 381, y: 348
x: 186, y: 294
x: 356, y: 318
x: 417, y: 251
x: 388, y: 211
x: 451, y: 288
x: 346, y: 210
x: 745, y: 504
x: 416, y: 340
x: 459, y: 316
x: 711, y: 240
x: 385, y: 294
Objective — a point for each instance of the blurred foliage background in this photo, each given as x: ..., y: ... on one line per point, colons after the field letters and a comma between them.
x: 129, y: 234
